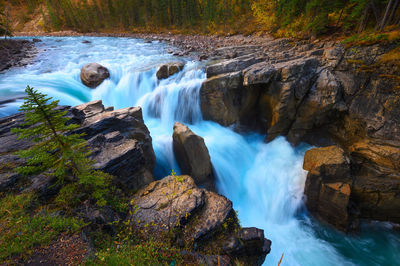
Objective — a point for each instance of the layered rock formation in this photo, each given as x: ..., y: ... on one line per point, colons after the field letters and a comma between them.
x: 196, y: 219
x: 120, y: 142
x: 93, y: 74
x: 192, y: 156
x: 323, y: 94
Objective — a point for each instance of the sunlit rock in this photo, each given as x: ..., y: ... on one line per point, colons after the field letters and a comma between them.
x: 93, y: 74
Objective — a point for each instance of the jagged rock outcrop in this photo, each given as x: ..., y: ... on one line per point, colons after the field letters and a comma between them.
x: 198, y: 220
x: 167, y: 70
x: 93, y: 74
x: 327, y: 188
x: 119, y: 140
x: 192, y: 155
x: 323, y: 94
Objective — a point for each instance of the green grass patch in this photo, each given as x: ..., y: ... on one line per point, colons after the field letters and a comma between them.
x: 21, y: 229
x: 146, y: 253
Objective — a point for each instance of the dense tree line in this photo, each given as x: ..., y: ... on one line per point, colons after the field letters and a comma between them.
x: 318, y: 16
x: 97, y: 14
x: 283, y: 17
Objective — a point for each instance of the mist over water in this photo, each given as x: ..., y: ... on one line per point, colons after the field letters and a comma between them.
x: 264, y: 181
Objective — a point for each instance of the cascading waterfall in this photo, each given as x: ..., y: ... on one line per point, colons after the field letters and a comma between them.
x: 264, y: 181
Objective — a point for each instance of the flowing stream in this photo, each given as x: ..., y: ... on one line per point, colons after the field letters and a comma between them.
x: 264, y: 181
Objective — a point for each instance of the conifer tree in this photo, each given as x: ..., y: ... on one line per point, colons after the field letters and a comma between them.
x: 56, y: 150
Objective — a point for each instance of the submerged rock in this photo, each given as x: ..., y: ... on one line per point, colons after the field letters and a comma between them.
x: 93, y: 74
x: 167, y: 70
x: 192, y: 155
x: 197, y: 218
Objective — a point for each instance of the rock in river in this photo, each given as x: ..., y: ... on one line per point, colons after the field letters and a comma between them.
x: 192, y: 155
x: 93, y: 74
x: 167, y: 70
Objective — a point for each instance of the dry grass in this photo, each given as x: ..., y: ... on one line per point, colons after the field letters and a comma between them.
x: 373, y: 37
x: 391, y: 57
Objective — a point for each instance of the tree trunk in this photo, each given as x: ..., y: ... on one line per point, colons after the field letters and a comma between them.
x: 7, y: 10
x: 385, y: 17
x: 363, y: 22
x: 340, y: 17
x: 376, y: 13
x: 396, y: 5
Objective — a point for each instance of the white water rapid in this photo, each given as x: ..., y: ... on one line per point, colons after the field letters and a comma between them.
x: 264, y: 181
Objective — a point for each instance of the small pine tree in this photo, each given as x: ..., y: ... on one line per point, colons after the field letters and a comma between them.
x: 56, y: 150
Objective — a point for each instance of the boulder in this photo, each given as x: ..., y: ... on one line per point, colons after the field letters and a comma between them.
x: 167, y: 70
x: 328, y: 185
x: 120, y: 142
x: 192, y: 155
x: 197, y: 218
x: 93, y: 74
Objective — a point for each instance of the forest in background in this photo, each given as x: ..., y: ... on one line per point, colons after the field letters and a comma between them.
x: 284, y: 18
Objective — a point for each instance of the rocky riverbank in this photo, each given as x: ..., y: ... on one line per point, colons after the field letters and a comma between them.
x: 14, y: 53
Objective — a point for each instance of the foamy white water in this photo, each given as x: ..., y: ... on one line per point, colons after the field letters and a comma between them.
x: 264, y: 181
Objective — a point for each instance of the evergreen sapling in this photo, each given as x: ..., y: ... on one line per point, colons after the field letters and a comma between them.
x: 57, y: 151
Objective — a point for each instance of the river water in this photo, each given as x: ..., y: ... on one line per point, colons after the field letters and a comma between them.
x: 264, y: 181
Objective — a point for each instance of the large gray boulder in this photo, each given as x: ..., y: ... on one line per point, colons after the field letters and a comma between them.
x: 195, y: 219
x: 93, y: 74
x: 192, y: 155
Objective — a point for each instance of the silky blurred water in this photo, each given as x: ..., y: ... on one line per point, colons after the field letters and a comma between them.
x: 264, y: 181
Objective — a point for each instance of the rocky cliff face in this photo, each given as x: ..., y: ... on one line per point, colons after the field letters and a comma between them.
x: 323, y: 94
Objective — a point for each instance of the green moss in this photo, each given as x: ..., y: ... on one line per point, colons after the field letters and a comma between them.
x: 21, y: 229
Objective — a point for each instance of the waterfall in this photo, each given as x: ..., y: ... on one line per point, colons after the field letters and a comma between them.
x: 265, y: 181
